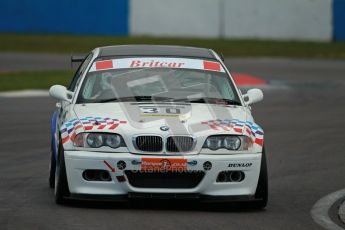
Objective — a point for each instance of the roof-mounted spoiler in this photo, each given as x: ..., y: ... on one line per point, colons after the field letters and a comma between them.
x: 77, y: 59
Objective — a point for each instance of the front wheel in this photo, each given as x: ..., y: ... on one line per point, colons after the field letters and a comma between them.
x: 52, y: 167
x: 61, y: 186
x: 261, y: 194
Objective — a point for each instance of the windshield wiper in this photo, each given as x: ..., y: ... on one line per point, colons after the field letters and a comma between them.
x: 135, y: 98
x: 107, y: 100
x: 209, y: 100
x: 147, y: 98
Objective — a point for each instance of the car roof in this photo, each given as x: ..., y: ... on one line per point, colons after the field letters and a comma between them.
x: 155, y: 50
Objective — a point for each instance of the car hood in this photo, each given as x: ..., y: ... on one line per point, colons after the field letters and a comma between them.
x: 131, y: 118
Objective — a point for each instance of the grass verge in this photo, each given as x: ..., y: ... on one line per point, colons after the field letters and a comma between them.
x: 229, y: 48
x: 33, y: 80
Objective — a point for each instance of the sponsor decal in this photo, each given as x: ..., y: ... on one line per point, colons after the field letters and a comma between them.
x: 241, y: 127
x: 157, y: 62
x: 70, y: 128
x: 136, y: 162
x: 121, y: 165
x: 207, y: 165
x: 240, y: 165
x: 192, y: 163
x: 163, y: 164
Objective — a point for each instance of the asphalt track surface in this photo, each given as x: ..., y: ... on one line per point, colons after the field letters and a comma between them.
x: 303, y: 118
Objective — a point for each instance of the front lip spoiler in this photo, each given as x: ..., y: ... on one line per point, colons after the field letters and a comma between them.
x: 163, y: 196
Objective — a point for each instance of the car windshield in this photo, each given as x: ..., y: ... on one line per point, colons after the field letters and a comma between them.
x: 157, y: 82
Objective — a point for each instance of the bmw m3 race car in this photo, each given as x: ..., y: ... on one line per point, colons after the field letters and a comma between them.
x: 147, y: 121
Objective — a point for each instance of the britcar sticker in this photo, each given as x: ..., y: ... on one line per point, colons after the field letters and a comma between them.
x: 252, y: 130
x: 175, y: 63
x: 69, y: 129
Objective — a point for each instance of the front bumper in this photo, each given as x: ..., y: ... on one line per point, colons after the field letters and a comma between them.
x: 79, y: 161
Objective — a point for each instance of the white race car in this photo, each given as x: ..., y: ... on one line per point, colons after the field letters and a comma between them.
x: 146, y: 121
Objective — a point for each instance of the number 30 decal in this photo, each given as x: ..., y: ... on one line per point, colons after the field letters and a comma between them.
x: 173, y: 110
x: 156, y: 110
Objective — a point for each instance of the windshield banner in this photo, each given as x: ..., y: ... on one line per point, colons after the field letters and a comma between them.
x: 172, y: 63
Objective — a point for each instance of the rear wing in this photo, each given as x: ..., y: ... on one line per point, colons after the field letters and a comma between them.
x: 77, y: 59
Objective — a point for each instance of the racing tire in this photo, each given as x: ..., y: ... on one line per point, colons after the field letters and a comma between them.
x: 261, y: 194
x: 52, y: 167
x: 61, y: 186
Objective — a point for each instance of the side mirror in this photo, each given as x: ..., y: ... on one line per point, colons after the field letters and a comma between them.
x: 60, y: 92
x: 252, y: 96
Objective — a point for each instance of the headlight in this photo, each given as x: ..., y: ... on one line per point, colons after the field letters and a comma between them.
x: 232, y: 142
x: 97, y: 140
x: 214, y: 143
x: 228, y: 142
x: 113, y: 141
x: 94, y: 140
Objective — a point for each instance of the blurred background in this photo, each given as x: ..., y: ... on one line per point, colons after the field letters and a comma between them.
x: 311, y: 20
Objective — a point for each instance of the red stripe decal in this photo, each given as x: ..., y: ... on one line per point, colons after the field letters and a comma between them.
x: 104, y: 65
x: 239, y: 130
x: 226, y: 128
x: 123, y: 122
x: 109, y: 166
x: 88, y: 127
x: 65, y: 139
x: 214, y: 127
x: 259, y: 141
x: 113, y: 126
x: 101, y: 126
x: 73, y: 136
x: 210, y: 65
